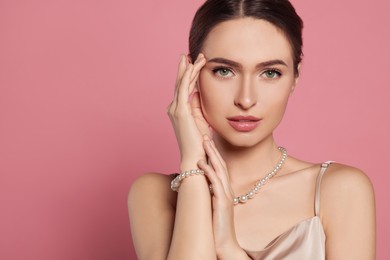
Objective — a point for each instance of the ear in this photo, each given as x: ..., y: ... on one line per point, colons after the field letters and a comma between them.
x: 296, y: 78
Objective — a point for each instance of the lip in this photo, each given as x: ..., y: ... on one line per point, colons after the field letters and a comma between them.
x: 244, y: 123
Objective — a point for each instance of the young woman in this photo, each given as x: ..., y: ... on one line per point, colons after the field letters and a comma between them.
x: 239, y: 195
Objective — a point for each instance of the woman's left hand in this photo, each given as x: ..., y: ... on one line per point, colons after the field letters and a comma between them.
x: 225, y: 239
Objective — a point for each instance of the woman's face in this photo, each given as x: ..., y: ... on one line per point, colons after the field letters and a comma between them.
x: 247, y: 80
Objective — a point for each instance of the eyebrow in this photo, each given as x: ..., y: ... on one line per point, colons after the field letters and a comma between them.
x: 238, y: 65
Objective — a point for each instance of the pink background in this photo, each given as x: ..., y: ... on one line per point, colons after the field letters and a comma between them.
x: 84, y: 87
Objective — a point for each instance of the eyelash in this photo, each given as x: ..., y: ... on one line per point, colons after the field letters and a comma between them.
x: 215, y: 72
x: 278, y: 73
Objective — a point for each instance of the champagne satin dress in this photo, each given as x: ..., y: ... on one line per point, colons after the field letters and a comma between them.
x: 304, y: 241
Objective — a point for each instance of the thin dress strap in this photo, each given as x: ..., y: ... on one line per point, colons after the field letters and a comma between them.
x: 324, y: 166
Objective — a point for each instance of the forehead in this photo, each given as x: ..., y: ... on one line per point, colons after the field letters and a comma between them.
x: 247, y: 40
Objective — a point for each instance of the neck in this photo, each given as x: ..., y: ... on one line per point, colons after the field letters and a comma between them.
x: 247, y: 164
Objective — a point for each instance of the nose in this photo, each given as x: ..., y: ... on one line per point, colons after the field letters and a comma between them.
x: 246, y: 96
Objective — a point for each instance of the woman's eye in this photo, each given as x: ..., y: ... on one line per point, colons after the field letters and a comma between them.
x: 271, y: 74
x: 223, y: 72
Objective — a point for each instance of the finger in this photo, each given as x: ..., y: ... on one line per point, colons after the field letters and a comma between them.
x: 180, y: 73
x: 181, y: 69
x: 182, y: 94
x: 218, y: 189
x: 217, y: 166
x: 183, y: 85
x: 195, y: 105
x: 219, y: 156
x: 224, y: 176
x: 212, y: 155
x: 198, y: 65
x: 193, y: 83
x: 197, y: 113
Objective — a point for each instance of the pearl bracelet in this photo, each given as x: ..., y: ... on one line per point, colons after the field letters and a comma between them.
x: 175, y: 184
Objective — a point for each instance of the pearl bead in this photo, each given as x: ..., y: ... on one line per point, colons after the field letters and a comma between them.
x: 260, y: 183
x: 243, y: 198
x: 175, y: 184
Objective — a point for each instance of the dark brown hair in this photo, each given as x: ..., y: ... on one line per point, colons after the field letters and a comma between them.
x: 278, y: 12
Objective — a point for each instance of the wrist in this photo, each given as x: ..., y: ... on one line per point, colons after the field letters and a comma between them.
x: 188, y: 165
x: 175, y: 183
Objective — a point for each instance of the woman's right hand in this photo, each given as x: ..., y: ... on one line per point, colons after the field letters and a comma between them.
x: 187, y: 118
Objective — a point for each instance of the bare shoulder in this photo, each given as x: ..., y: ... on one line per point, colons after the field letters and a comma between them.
x: 347, y: 198
x: 348, y: 213
x: 151, y: 205
x: 345, y: 181
x: 153, y: 186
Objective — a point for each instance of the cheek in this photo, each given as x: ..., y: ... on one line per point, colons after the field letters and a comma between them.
x: 207, y: 94
x: 276, y: 94
x: 213, y: 93
x: 275, y: 104
x: 278, y: 99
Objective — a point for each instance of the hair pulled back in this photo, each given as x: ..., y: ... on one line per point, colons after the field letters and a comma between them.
x: 278, y: 12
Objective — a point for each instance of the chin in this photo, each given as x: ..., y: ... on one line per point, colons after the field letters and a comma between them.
x: 241, y: 140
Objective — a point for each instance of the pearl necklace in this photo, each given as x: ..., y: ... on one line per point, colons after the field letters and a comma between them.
x: 252, y: 192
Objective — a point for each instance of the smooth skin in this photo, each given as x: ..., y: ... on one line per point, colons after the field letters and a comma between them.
x: 246, y: 68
